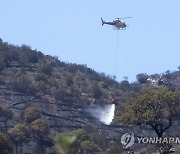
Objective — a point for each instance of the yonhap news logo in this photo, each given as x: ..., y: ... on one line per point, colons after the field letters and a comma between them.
x: 129, y: 139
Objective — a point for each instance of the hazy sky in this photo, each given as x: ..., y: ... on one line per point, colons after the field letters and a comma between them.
x: 72, y: 31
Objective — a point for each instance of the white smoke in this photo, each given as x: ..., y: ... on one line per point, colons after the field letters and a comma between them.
x: 105, y: 114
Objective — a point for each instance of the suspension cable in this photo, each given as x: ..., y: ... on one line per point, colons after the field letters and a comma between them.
x: 116, y: 53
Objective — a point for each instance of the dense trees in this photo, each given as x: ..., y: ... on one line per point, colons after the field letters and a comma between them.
x: 5, y: 145
x: 33, y: 129
x: 31, y: 74
x: 5, y: 114
x: 40, y: 130
x: 157, y: 108
x: 46, y: 75
x: 69, y: 142
x: 80, y: 141
x: 18, y: 134
x: 77, y: 141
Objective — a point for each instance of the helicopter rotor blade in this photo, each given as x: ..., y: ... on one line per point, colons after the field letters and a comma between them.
x: 123, y: 18
x: 127, y: 17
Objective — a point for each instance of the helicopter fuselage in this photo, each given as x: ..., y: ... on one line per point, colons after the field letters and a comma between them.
x: 119, y: 24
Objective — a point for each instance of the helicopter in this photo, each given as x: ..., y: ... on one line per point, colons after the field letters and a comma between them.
x: 117, y: 23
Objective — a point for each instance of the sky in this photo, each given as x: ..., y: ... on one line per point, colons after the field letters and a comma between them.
x: 72, y: 31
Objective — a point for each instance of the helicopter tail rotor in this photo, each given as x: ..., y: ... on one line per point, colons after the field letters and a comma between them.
x: 103, y: 22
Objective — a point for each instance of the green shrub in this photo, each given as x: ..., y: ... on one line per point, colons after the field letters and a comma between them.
x: 30, y: 114
x: 42, y: 87
x: 40, y: 77
x: 45, y: 68
x: 23, y: 84
x: 96, y: 91
x: 2, y: 64
x: 58, y: 93
x: 70, y: 142
x: 142, y: 78
x: 89, y: 147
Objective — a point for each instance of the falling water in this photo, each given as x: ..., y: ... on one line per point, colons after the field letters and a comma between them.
x: 105, y: 114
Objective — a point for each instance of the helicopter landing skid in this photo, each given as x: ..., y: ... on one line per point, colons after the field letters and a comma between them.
x: 115, y: 28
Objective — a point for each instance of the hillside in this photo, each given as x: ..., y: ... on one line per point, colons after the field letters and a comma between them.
x: 29, y: 71
x: 61, y: 91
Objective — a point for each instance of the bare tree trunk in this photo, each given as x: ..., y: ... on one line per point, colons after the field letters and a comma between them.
x: 41, y: 144
x: 5, y: 123
x: 21, y: 145
x: 16, y: 148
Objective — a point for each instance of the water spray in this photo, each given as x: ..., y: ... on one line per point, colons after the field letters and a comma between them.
x: 104, y: 113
